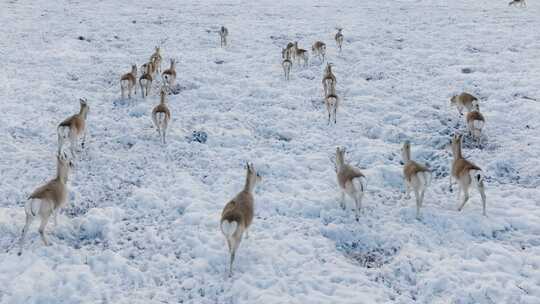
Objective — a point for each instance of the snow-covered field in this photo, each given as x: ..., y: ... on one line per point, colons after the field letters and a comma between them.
x: 143, y: 221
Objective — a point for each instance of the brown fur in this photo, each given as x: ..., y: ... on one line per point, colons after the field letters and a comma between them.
x: 319, y: 49
x: 47, y: 199
x: 411, y: 168
x: 170, y: 73
x: 76, y: 127
x: 471, y: 116
x: 463, y: 100
x: 461, y: 170
x: 161, y: 125
x: 239, y: 211
x: 145, y: 88
x: 350, y: 181
x: 300, y: 54
x: 156, y: 59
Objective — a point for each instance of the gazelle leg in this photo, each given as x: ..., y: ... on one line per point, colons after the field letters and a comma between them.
x: 44, y: 221
x: 342, y: 201
x: 418, y: 203
x: 29, y: 219
x: 465, y: 199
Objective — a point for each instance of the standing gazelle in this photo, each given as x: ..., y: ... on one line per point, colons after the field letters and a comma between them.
x: 161, y: 117
x: 223, y: 33
x: 237, y: 214
x: 467, y: 175
x: 74, y: 128
x: 156, y: 59
x: 146, y: 79
x: 339, y: 38
x: 48, y: 199
x: 463, y: 100
x: 332, y: 102
x: 351, y: 182
x: 169, y: 75
x: 329, y: 81
x: 415, y: 176
x: 129, y: 81
x: 300, y: 54
x: 475, y: 122
x: 287, y: 63
x: 319, y: 50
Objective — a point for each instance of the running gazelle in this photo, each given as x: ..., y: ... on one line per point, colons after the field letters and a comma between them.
x: 351, y: 181
x: 48, y: 199
x: 128, y: 82
x: 237, y: 214
x: 467, y: 175
x: 161, y: 117
x: 416, y: 177
x: 73, y: 128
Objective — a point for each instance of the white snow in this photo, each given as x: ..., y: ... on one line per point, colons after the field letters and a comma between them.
x: 142, y: 224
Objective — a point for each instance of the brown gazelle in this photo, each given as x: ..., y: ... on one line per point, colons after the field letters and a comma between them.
x: 48, y: 199
x: 161, y: 117
x: 339, y: 38
x: 351, y: 181
x: 73, y: 128
x: 237, y: 214
x: 329, y: 80
x: 287, y: 63
x: 467, y: 174
x: 146, y: 79
x: 416, y: 177
x: 156, y: 59
x: 169, y: 75
x: 223, y: 33
x: 319, y: 50
x: 300, y: 54
x: 128, y: 82
x: 516, y: 2
x: 475, y: 122
x: 332, y: 102
x: 463, y: 100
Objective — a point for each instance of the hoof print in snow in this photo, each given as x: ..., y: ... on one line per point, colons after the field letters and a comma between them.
x: 81, y: 38
x: 198, y: 136
x: 368, y: 257
x: 175, y: 90
x: 466, y: 70
x: 219, y: 61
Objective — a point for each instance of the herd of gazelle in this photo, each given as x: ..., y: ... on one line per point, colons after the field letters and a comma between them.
x: 237, y: 215
x: 292, y: 52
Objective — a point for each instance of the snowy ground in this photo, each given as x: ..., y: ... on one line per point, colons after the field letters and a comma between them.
x: 142, y: 225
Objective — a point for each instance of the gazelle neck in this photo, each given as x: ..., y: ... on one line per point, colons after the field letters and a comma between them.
x: 250, y: 182
x: 406, y: 154
x: 456, y: 150
x: 62, y: 172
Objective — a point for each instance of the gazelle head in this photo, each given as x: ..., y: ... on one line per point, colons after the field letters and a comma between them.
x: 456, y: 144
x: 340, y: 156
x: 134, y: 70
x: 453, y: 100
x: 173, y: 64
x: 253, y: 177
x: 64, y: 164
x: 406, y: 152
x: 475, y: 106
x: 157, y: 50
x: 84, y: 107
